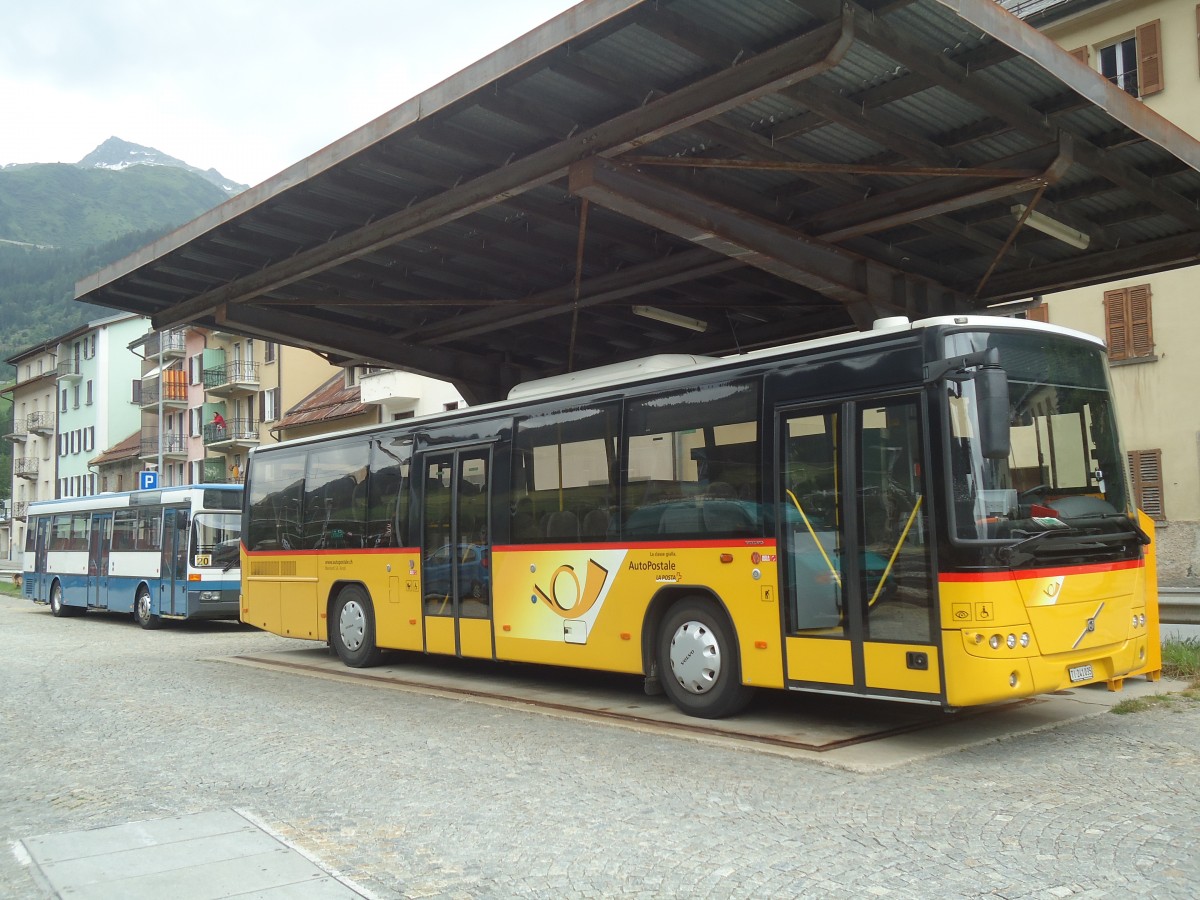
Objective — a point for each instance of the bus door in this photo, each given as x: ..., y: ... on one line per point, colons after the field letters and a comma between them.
x: 40, y: 589
x: 854, y: 550
x: 173, y: 588
x: 456, y: 551
x: 99, y: 545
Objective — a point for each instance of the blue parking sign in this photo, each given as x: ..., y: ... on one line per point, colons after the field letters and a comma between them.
x: 147, y: 481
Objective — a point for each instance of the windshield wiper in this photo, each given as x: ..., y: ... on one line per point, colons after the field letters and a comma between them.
x: 1134, y: 529
x: 1008, y: 552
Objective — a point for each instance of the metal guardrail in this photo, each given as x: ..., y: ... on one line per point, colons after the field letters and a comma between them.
x: 1178, y: 606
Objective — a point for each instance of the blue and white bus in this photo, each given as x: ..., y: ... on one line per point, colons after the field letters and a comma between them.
x: 160, y: 554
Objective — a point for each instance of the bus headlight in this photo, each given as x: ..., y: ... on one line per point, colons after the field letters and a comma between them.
x: 1024, y: 639
x: 994, y: 642
x: 1011, y: 642
x: 210, y: 596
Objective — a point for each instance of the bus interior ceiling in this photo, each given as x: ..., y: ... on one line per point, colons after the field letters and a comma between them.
x: 677, y: 175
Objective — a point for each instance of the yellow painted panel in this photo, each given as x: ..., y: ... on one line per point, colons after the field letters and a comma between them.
x: 439, y: 634
x: 260, y: 604
x: 299, y: 616
x: 475, y: 637
x: 819, y: 659
x: 398, y: 615
x: 887, y: 668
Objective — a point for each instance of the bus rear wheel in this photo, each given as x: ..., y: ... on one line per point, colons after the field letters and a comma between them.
x: 58, y: 609
x: 143, y: 610
x: 352, y: 629
x: 698, y: 661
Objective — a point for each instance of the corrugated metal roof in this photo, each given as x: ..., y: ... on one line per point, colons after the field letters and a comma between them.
x: 445, y: 237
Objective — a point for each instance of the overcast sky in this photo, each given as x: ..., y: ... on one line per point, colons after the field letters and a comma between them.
x: 247, y: 87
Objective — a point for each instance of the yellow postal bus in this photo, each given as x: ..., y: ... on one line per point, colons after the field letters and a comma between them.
x: 934, y: 512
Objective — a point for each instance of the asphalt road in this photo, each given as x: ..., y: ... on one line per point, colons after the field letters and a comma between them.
x: 409, y: 795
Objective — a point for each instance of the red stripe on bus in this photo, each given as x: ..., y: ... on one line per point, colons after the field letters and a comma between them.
x: 357, y: 550
x: 754, y: 544
x: 1048, y: 572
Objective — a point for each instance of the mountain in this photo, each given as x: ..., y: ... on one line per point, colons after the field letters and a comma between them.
x: 118, y: 154
x: 60, y: 222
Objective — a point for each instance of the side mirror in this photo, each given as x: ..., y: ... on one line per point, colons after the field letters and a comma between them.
x: 991, y: 393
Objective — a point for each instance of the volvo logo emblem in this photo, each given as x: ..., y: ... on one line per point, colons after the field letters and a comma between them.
x: 1089, y: 627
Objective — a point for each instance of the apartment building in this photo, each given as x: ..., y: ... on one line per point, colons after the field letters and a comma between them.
x: 1151, y: 49
x: 208, y: 397
x: 63, y: 410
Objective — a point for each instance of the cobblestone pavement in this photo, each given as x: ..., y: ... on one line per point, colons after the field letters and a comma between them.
x: 102, y: 723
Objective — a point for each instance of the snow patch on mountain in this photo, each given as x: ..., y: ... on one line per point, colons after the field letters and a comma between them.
x: 117, y: 154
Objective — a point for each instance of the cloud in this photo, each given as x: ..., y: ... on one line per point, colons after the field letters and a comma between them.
x: 244, y: 86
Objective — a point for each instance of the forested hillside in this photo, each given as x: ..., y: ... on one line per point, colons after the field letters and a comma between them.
x: 60, y: 222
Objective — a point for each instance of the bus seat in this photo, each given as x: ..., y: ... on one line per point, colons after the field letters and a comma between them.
x: 726, y: 517
x: 721, y: 490
x: 595, y: 524
x: 562, y: 525
x: 681, y: 518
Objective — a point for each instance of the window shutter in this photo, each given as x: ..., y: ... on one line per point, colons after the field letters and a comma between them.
x: 1149, y: 48
x: 1038, y: 313
x: 1115, y: 329
x: 1141, y: 334
x: 1081, y: 54
x: 1145, y: 469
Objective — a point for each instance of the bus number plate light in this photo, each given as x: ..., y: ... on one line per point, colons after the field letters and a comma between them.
x: 1080, y: 673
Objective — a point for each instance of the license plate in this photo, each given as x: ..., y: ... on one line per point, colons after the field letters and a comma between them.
x: 1081, y: 673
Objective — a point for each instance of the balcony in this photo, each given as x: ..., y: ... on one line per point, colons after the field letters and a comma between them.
x: 237, y: 434
x: 20, y: 510
x: 237, y: 377
x: 41, y: 422
x: 172, y: 344
x: 174, y: 444
x: 17, y: 437
x: 173, y: 395
x: 26, y: 467
x: 69, y: 370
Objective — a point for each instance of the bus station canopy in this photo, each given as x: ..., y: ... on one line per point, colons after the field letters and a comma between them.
x: 691, y: 176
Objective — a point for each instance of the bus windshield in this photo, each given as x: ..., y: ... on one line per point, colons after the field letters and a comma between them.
x: 1063, y: 474
x: 216, y: 538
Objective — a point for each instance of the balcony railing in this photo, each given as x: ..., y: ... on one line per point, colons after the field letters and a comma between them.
x: 173, y: 444
x: 69, y: 368
x: 147, y: 392
x: 25, y: 466
x: 233, y: 432
x: 20, y: 509
x: 173, y: 344
x: 41, y: 421
x: 237, y: 375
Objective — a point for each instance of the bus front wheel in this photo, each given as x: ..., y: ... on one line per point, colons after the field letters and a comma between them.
x: 352, y: 629
x: 58, y: 609
x: 698, y: 661
x: 143, y: 610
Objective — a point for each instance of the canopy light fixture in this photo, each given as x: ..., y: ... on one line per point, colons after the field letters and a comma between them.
x: 1053, y: 227
x: 670, y: 318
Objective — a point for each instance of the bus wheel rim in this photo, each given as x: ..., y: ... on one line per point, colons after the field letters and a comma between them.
x: 352, y: 625
x: 695, y: 657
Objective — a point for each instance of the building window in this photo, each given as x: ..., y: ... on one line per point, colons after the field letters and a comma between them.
x: 89, y: 392
x: 450, y: 406
x: 75, y: 395
x: 1127, y: 323
x: 64, y: 401
x: 269, y: 351
x: 269, y: 405
x: 1134, y: 64
x: 1145, y: 470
